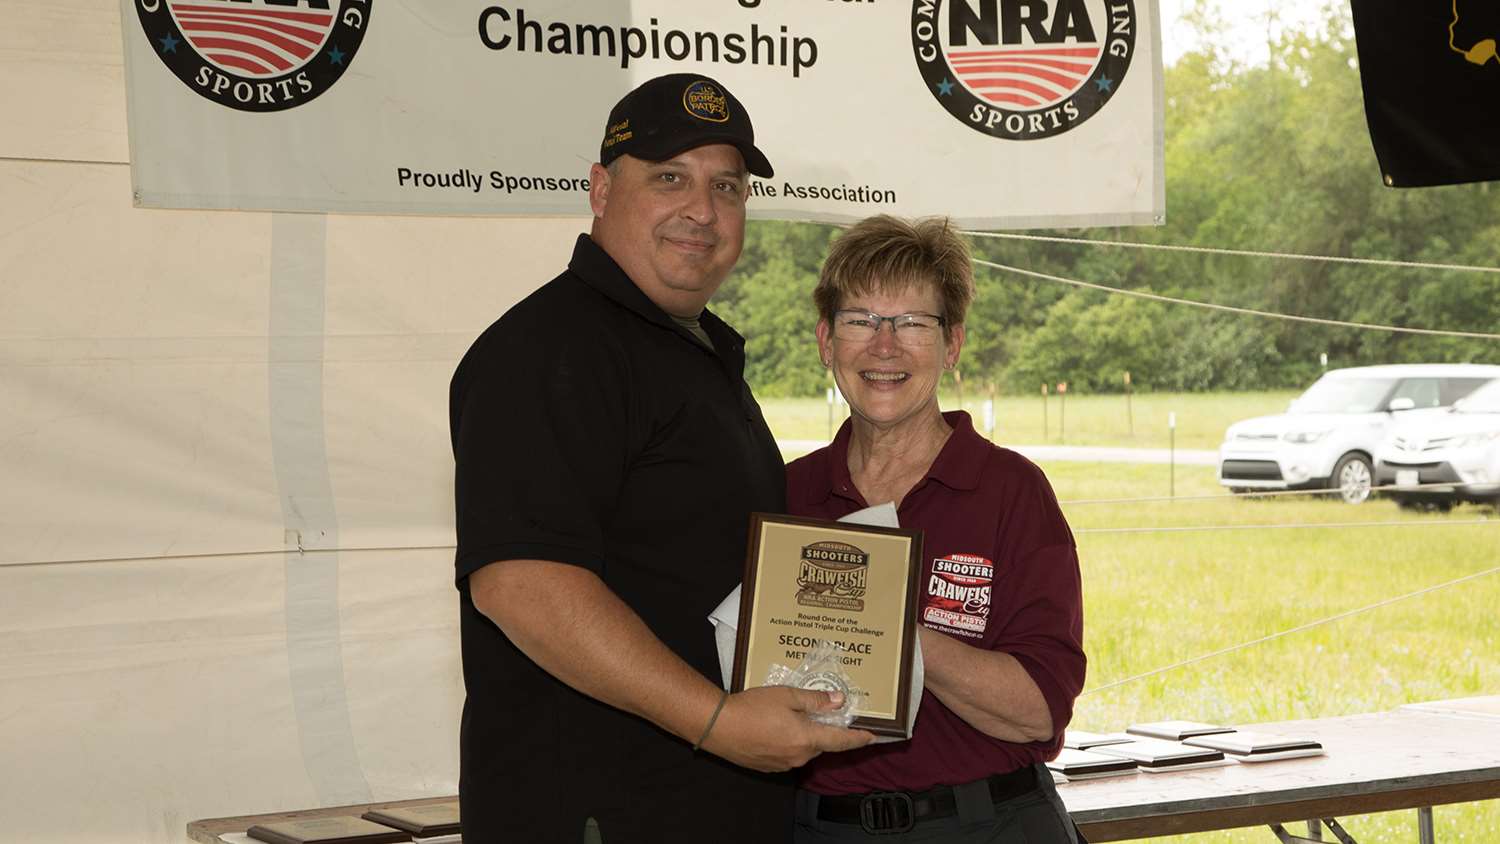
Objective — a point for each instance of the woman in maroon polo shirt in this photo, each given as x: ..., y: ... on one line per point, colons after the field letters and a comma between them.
x: 1001, y: 611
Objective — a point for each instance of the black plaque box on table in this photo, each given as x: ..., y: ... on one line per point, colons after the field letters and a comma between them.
x: 421, y: 821
x: 1176, y: 730
x: 1156, y: 755
x: 1083, y: 764
x: 335, y: 830
x: 1258, y: 747
x: 1084, y: 740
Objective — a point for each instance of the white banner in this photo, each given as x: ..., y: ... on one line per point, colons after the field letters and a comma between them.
x: 1000, y: 113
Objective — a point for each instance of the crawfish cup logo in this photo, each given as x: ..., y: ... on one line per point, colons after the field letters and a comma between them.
x: 832, y: 575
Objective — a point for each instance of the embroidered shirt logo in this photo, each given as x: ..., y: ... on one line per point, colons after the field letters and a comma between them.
x: 958, y: 594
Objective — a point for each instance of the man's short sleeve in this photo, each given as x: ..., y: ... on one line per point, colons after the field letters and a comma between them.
x: 540, y: 430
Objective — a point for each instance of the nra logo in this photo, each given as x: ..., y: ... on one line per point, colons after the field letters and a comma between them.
x: 256, y: 55
x: 1023, y: 69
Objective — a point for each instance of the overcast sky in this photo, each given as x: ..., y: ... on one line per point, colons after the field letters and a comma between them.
x: 1245, y: 22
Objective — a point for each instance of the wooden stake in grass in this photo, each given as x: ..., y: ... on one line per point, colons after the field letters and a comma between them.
x: 830, y: 414
x: 990, y: 415
x: 1062, y: 411
x: 1129, y: 412
x: 1172, y: 455
x: 1044, y: 413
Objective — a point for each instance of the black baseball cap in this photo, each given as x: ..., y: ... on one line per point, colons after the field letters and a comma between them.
x: 672, y: 114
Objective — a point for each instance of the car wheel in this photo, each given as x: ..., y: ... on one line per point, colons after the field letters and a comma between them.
x: 1351, y: 478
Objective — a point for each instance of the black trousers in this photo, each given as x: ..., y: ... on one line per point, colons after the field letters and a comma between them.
x: 1037, y: 817
x: 700, y: 798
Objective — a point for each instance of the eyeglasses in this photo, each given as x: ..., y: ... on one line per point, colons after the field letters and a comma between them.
x: 915, y: 329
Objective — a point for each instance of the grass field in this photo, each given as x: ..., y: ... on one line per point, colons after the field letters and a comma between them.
x: 1084, y: 420
x: 1156, y: 599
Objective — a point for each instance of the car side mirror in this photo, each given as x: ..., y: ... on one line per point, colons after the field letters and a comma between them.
x: 1402, y: 403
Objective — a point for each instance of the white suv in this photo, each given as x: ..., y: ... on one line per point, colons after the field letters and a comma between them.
x: 1454, y: 455
x: 1328, y: 437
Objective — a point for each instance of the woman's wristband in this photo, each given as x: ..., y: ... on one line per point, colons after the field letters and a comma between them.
x: 711, y: 719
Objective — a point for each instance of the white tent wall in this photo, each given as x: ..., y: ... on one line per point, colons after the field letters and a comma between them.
x: 185, y: 398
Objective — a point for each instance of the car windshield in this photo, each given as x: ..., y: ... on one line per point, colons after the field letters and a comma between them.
x: 1344, y: 395
x: 1486, y: 399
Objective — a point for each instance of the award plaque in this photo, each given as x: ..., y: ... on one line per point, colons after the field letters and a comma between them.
x: 807, y: 580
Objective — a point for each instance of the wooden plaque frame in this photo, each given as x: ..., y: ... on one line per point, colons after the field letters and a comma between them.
x: 832, y: 591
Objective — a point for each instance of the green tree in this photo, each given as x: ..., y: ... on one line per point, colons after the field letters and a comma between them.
x: 1090, y: 339
x: 773, y: 309
x: 1274, y: 158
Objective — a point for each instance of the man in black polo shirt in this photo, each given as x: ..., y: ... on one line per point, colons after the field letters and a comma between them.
x: 608, y: 456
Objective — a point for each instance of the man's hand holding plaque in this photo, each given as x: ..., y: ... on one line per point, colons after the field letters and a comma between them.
x: 774, y: 728
x: 821, y: 671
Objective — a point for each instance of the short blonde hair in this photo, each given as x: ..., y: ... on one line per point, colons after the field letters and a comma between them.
x: 885, y: 253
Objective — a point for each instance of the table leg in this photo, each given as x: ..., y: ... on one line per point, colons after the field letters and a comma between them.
x: 1338, y: 831
x: 1424, y: 826
x: 1314, y: 832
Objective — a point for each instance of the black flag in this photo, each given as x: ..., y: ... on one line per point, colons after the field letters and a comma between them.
x: 1431, y: 78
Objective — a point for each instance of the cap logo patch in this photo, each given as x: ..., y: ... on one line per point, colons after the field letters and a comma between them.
x: 706, y: 102
x: 618, y: 133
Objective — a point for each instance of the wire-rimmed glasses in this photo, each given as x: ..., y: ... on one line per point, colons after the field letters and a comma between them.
x: 913, y: 329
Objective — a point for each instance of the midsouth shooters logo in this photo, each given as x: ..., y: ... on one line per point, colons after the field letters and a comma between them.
x: 832, y: 575
x: 256, y: 55
x: 958, y: 593
x: 1023, y: 69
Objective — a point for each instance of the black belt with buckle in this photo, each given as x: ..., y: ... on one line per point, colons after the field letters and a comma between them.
x: 891, y: 812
